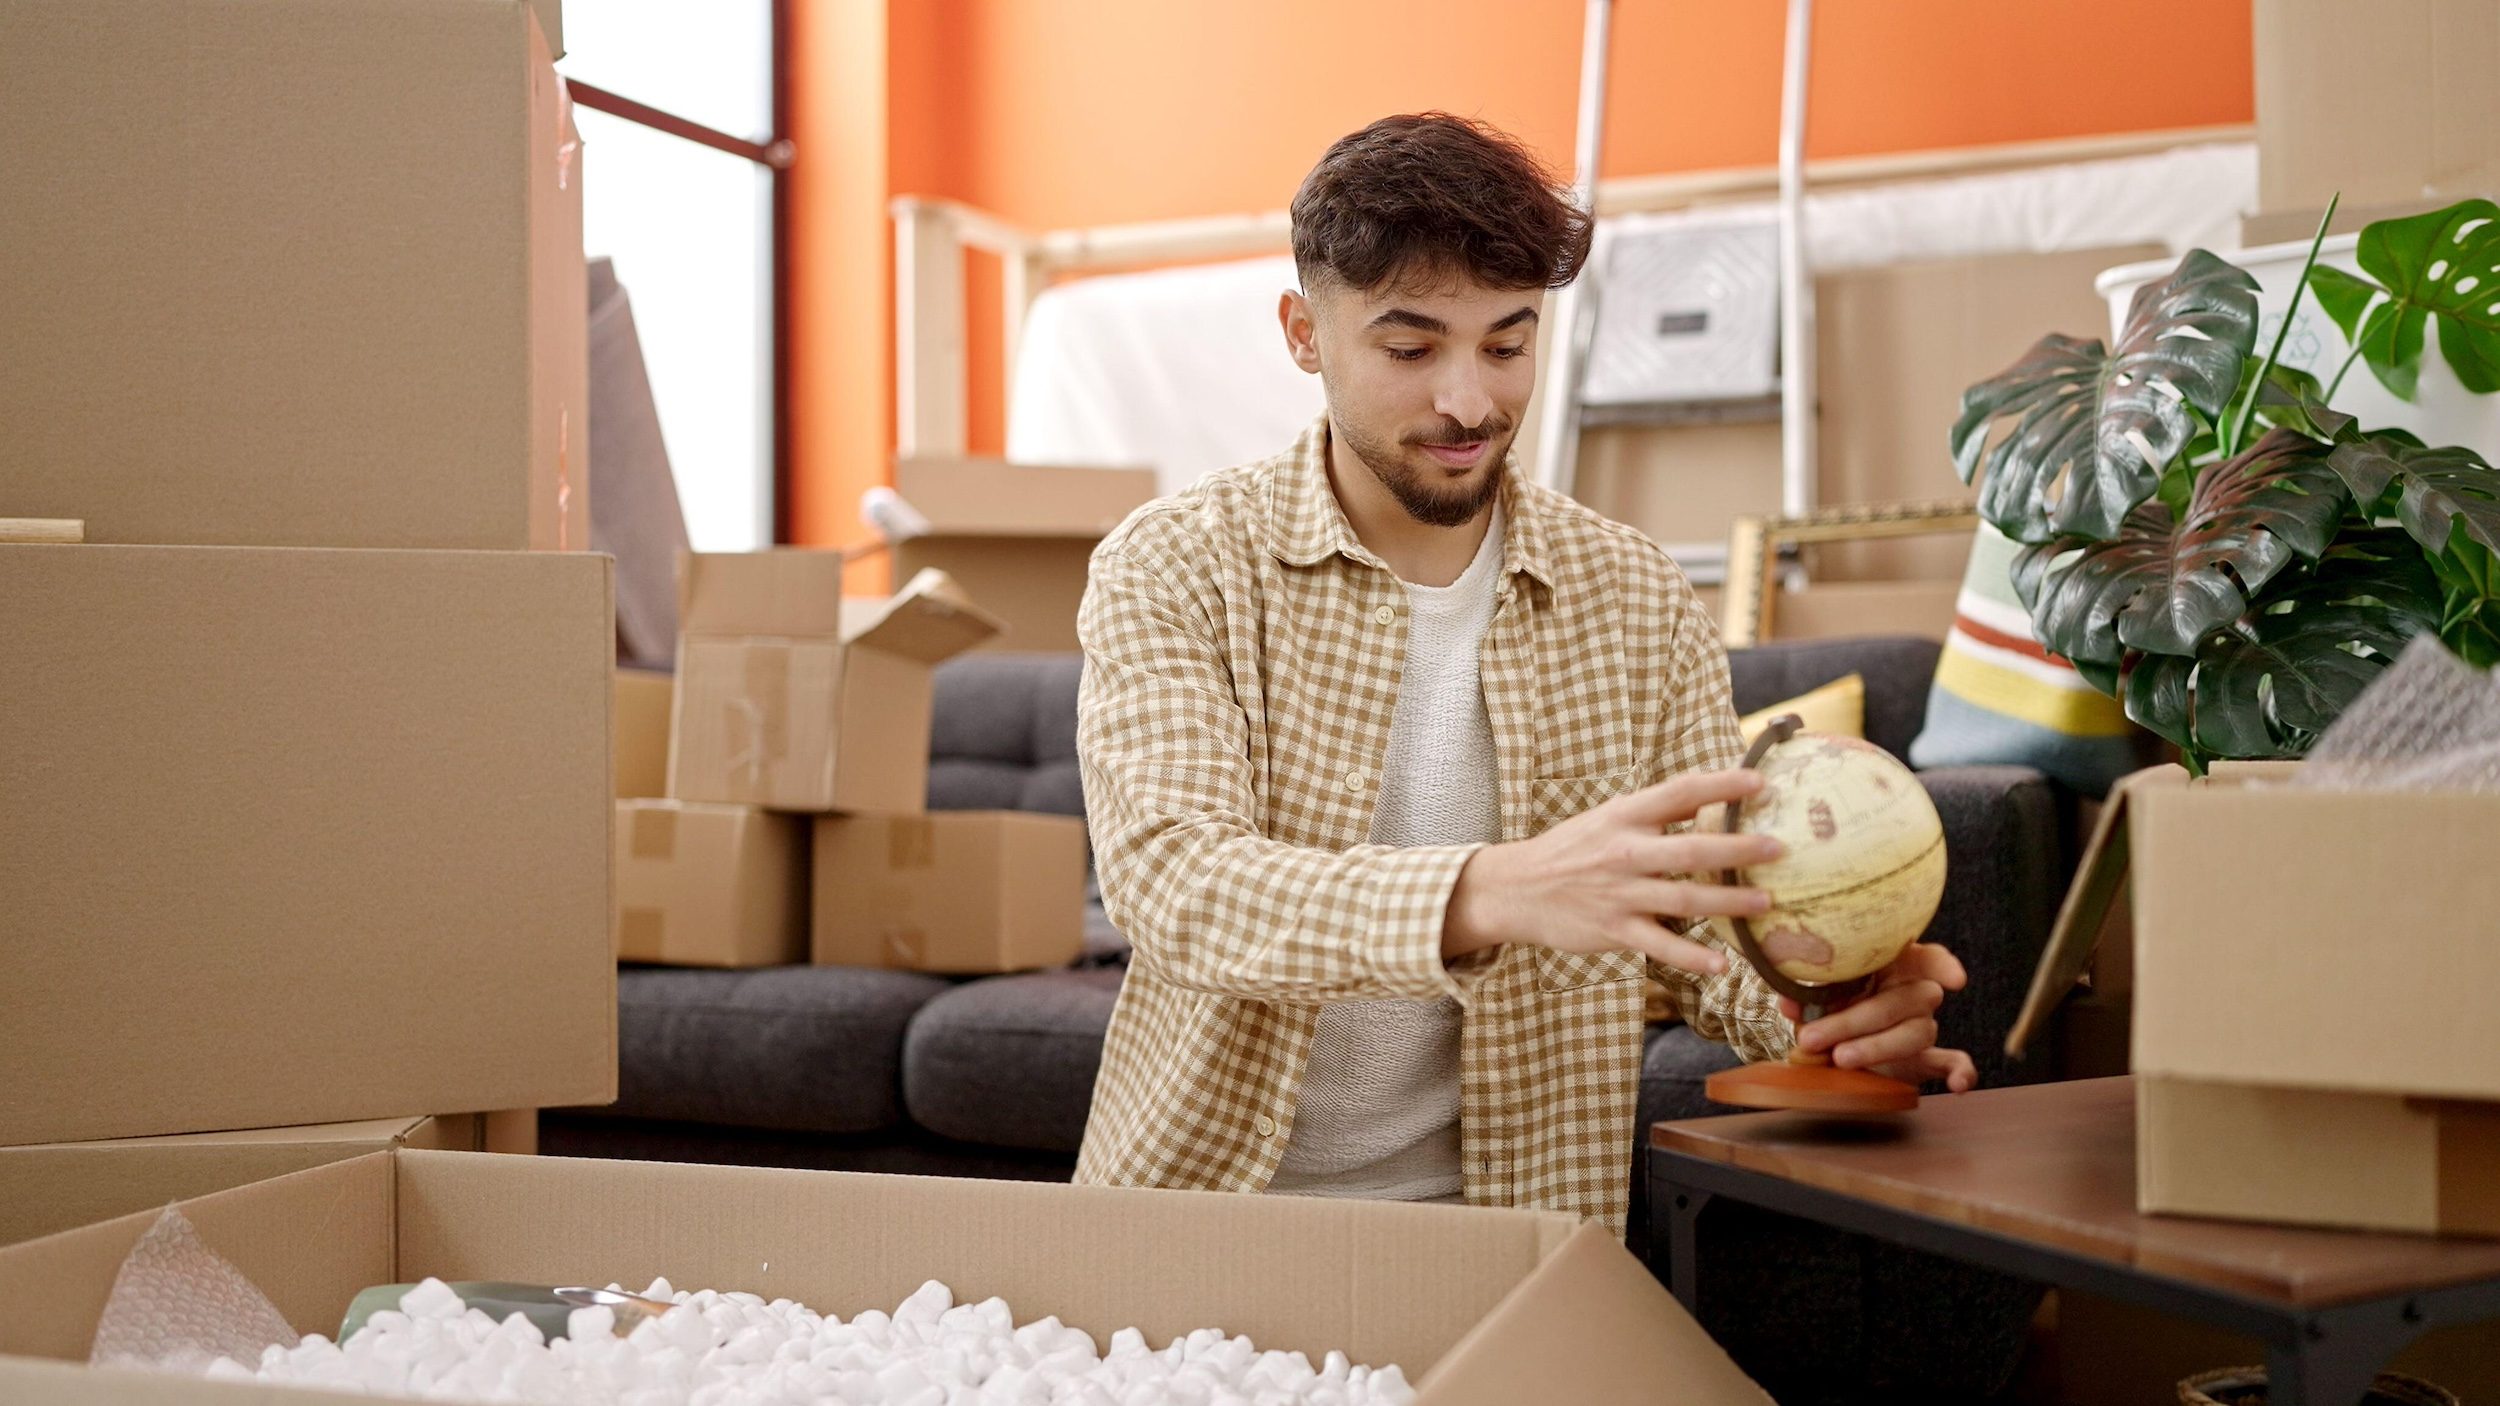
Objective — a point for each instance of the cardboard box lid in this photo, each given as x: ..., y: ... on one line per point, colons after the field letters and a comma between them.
x: 1476, y: 1305
x: 930, y: 619
x: 995, y: 498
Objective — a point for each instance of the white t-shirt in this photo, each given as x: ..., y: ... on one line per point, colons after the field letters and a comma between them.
x: 1377, y: 1116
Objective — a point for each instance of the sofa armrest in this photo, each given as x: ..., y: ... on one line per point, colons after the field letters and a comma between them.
x: 2005, y: 870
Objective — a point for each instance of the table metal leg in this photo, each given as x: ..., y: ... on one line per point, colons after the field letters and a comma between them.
x: 2332, y: 1356
x: 1683, y: 1208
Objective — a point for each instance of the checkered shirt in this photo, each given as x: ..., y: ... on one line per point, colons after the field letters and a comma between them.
x: 1242, y: 658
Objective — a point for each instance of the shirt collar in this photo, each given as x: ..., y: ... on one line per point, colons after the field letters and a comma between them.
x: 1306, y: 523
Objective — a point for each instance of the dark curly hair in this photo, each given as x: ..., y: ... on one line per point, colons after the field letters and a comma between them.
x: 1429, y: 195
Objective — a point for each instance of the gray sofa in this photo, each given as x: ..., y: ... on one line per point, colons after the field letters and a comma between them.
x: 896, y: 1071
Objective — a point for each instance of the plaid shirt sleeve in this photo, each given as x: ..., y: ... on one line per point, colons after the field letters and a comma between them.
x: 1736, y: 1009
x: 1209, y: 903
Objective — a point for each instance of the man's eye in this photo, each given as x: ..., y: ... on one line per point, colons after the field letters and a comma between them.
x: 1508, y: 353
x: 1407, y: 353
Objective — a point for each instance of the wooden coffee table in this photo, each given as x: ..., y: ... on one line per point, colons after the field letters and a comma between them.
x: 2039, y: 1182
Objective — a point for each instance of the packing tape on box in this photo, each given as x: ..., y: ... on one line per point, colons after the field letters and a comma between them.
x: 643, y: 932
x: 756, y: 720
x: 906, y: 946
x: 655, y: 833
x: 910, y: 842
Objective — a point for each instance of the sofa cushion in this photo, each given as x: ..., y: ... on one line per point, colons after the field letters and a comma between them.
x: 1009, y: 1061
x: 1002, y: 734
x: 800, y: 1049
x: 1897, y: 669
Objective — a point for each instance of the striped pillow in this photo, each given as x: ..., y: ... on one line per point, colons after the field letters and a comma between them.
x: 2000, y: 699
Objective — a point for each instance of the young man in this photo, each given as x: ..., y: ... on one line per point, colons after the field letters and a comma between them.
x: 1391, y: 756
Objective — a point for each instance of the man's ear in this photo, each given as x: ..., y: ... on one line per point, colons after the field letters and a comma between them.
x: 1293, y: 312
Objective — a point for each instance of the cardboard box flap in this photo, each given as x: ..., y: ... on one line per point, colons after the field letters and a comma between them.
x: 995, y: 498
x: 788, y: 592
x: 1592, y: 1317
x: 930, y: 619
x: 2100, y: 883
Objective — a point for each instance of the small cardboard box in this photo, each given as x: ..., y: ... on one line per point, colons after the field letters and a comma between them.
x: 1475, y: 1305
x: 63, y: 1185
x: 701, y: 885
x: 298, y: 835
x: 953, y: 891
x: 2268, y: 921
x: 643, y: 702
x: 2386, y: 103
x: 1018, y: 537
x: 792, y: 698
x: 292, y: 273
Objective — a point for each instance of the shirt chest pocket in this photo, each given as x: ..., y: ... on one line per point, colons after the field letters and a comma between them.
x: 1552, y: 800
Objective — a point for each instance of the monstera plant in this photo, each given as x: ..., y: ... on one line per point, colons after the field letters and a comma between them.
x: 2205, y: 537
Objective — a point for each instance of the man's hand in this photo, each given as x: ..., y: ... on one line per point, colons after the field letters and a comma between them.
x: 1892, y: 1030
x: 1600, y: 881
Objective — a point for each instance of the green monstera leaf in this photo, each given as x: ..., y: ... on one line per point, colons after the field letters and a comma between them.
x: 2093, y: 427
x: 2161, y: 584
x: 2267, y: 684
x: 2435, y: 492
x: 2442, y: 267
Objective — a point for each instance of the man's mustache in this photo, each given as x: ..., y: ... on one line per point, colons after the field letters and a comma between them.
x: 1459, y: 437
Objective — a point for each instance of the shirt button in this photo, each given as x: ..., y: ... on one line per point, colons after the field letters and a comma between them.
x: 1354, y: 781
x: 1265, y: 1125
x: 1386, y: 615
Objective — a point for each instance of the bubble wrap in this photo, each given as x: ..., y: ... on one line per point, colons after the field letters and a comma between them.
x: 177, y: 1305
x: 2430, y: 723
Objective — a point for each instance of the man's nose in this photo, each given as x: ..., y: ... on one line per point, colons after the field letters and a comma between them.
x: 1461, y: 396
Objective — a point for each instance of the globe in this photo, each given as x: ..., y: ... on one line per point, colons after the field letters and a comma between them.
x: 1864, y: 869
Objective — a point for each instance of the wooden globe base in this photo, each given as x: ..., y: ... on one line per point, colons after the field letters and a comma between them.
x: 1816, y: 1087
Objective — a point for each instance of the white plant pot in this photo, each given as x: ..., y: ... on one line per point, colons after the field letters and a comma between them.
x: 2442, y: 411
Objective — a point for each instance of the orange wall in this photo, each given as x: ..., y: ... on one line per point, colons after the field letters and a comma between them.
x: 1053, y: 112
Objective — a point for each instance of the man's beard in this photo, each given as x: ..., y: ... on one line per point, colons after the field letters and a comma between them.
x: 1424, y: 501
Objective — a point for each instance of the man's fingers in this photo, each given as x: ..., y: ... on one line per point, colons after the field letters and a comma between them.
x: 1678, y: 798
x: 1685, y: 898
x: 1700, y: 853
x: 1926, y: 961
x: 1881, y: 1011
x: 1901, y: 1041
x: 1952, y: 1066
x: 1659, y: 945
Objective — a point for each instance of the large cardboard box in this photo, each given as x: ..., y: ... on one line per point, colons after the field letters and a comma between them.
x: 60, y: 1186
x: 953, y: 891
x: 299, y: 835
x: 1018, y: 537
x: 1476, y: 1305
x: 790, y: 697
x: 2268, y: 921
x: 643, y: 702
x: 291, y: 273
x: 701, y: 885
x: 2392, y: 101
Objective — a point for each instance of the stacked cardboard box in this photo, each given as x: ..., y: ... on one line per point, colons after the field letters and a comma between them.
x: 293, y: 830
x: 2308, y: 988
x: 1017, y: 536
x: 796, y: 710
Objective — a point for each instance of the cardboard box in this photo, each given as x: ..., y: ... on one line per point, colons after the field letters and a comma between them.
x: 643, y: 702
x: 292, y: 273
x: 300, y: 835
x: 954, y: 891
x: 700, y: 885
x: 2395, y: 101
x: 792, y: 698
x: 1017, y: 537
x: 2264, y: 919
x: 1476, y: 1305
x: 63, y: 1185
x: 2369, y: 1161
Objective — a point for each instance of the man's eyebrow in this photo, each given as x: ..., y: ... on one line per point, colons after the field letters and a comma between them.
x: 1405, y: 317
x: 1523, y: 315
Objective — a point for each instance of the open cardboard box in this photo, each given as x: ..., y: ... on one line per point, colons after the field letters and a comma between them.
x: 793, y: 698
x: 2312, y: 983
x: 1018, y: 537
x: 52, y: 1187
x: 1476, y: 1305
